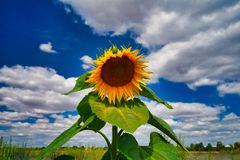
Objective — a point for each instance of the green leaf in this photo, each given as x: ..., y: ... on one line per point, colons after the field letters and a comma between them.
x: 162, y: 148
x: 64, y: 137
x: 84, y: 110
x: 64, y: 157
x: 164, y: 127
x: 80, y: 84
x: 127, y: 116
x: 128, y: 146
x: 148, y: 93
x: 107, y: 156
x: 158, y: 148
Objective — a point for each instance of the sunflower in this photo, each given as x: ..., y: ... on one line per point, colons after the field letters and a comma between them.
x: 118, y: 74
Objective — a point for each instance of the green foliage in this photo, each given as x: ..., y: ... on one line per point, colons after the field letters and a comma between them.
x: 220, y: 146
x: 148, y: 93
x: 209, y: 147
x: 107, y: 155
x: 200, y: 146
x: 84, y: 110
x: 8, y: 151
x: 127, y: 116
x: 64, y: 157
x: 164, y: 127
x: 197, y: 147
x: 237, y: 145
x: 158, y: 148
x: 80, y: 84
x: 64, y: 137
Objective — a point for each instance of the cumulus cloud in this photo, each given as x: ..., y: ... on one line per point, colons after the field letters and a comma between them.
x: 87, y: 62
x: 202, y: 82
x: 6, y: 116
x: 192, y: 42
x: 48, y: 131
x: 212, y: 55
x: 229, y: 88
x: 37, y: 90
x: 195, y: 122
x: 47, y: 47
x: 41, y: 128
x: 116, y: 16
x: 34, y: 91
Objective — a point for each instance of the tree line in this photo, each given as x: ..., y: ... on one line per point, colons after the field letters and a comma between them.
x: 218, y: 147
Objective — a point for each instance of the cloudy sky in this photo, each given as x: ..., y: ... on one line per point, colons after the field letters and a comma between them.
x: 193, y: 48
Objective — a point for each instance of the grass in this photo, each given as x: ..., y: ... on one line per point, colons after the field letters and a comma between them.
x: 8, y: 151
x: 96, y: 154
x: 223, y: 155
x: 80, y: 153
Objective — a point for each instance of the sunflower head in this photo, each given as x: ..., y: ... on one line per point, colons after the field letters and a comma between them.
x: 118, y: 74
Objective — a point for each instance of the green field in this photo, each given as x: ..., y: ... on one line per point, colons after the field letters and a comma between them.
x: 9, y: 151
x: 96, y: 154
x: 212, y: 156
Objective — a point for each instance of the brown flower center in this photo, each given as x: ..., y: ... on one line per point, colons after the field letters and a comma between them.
x: 117, y: 71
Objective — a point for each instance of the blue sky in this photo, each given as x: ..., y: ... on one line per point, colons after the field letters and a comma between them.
x: 193, y: 50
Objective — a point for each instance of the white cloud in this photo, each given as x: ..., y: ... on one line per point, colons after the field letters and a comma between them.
x: 35, y: 78
x: 47, y: 47
x: 6, y: 116
x: 229, y: 88
x: 202, y: 57
x: 169, y: 24
x: 87, y: 62
x: 67, y: 9
x: 202, y: 82
x: 195, y: 122
x: 43, y: 132
x: 39, y: 133
x: 37, y: 90
x: 192, y: 42
x: 117, y: 16
x: 34, y: 91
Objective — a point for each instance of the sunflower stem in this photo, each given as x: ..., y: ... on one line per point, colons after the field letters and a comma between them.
x: 102, y: 134
x: 114, y: 142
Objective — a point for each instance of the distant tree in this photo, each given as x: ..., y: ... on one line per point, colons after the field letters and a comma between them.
x: 192, y: 147
x: 209, y: 147
x: 237, y: 145
x: 229, y: 147
x: 199, y: 147
x: 220, y: 146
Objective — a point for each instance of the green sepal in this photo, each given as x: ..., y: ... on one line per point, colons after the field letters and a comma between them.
x: 80, y: 84
x: 127, y: 116
x: 148, y: 93
x: 64, y: 137
x: 84, y: 110
x: 165, y: 128
x: 158, y: 148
